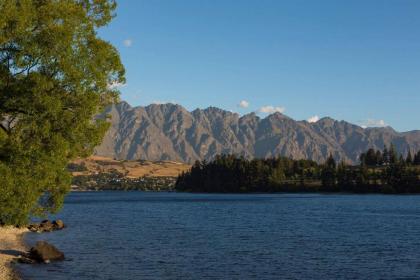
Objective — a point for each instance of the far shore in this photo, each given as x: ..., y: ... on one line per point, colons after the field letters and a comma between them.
x: 11, y: 246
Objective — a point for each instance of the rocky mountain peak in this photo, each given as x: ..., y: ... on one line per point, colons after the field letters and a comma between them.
x: 170, y: 132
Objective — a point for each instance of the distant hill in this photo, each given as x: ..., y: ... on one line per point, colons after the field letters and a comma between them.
x: 129, y: 169
x: 170, y: 132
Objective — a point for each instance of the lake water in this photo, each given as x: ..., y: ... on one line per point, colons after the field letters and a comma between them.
x: 135, y: 235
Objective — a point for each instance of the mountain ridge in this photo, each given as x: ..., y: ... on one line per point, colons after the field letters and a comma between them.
x: 171, y: 132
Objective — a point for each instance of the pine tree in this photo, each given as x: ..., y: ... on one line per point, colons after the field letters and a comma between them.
x: 343, y: 178
x: 393, y: 155
x: 331, y: 163
x: 362, y: 159
x: 379, y: 158
x: 385, y: 156
x: 401, y: 160
x: 329, y: 174
x: 409, y: 159
x: 371, y: 159
x: 416, y: 160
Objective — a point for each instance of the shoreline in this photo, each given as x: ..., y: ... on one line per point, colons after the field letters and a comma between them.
x: 11, y: 246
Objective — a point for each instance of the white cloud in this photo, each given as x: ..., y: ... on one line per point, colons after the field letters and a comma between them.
x: 372, y: 123
x: 244, y: 104
x: 313, y: 119
x: 128, y: 42
x: 271, y: 109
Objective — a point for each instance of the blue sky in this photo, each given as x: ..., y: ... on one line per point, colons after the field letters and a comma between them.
x: 353, y: 60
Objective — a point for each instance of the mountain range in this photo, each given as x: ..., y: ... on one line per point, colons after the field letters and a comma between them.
x: 170, y: 132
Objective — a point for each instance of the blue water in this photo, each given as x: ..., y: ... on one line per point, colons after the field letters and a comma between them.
x: 135, y: 235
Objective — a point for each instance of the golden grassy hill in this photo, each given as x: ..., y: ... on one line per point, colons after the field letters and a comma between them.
x: 130, y: 169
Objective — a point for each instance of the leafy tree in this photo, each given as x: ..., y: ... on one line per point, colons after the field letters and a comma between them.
x: 55, y: 75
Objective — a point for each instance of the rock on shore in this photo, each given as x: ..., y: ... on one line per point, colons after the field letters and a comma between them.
x: 44, y: 252
x: 47, y: 226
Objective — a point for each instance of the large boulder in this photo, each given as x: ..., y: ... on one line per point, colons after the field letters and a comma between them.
x: 45, y: 252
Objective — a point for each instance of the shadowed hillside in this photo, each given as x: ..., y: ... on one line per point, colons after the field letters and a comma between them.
x: 130, y: 169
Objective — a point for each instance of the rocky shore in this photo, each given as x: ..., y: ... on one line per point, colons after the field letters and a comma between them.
x: 47, y: 226
x: 11, y: 247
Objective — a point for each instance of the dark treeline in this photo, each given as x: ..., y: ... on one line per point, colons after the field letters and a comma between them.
x: 378, y: 172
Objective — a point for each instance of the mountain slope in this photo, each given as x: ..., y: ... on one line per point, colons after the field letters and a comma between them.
x: 170, y: 132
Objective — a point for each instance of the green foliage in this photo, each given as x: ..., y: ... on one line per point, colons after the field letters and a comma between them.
x: 55, y: 74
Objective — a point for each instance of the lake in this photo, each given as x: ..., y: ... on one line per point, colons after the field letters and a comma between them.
x: 137, y: 235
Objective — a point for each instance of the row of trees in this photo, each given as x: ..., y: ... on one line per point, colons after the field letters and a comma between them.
x: 228, y: 173
x: 388, y: 156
